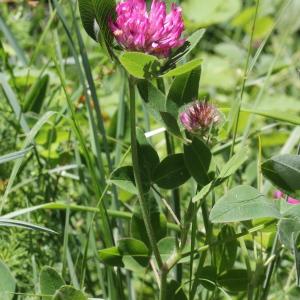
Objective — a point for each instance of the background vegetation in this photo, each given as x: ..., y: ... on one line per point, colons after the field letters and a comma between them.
x: 64, y: 129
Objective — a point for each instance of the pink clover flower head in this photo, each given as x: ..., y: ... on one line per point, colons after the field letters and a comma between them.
x: 200, y: 117
x: 290, y: 200
x: 154, y: 32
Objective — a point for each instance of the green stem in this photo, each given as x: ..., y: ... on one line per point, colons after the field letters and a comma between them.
x: 136, y: 171
x: 187, y: 224
x: 237, y: 236
x: 208, y: 230
x: 269, y: 272
x: 245, y: 77
x: 175, y: 192
x: 163, y: 285
x: 193, y: 242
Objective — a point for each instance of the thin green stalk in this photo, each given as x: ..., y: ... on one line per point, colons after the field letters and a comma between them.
x: 269, y: 272
x: 207, y: 224
x: 208, y: 230
x: 175, y: 192
x: 108, y: 239
x: 237, y: 236
x: 121, y: 119
x: 193, y: 242
x: 187, y: 224
x: 163, y: 285
x: 197, y: 274
x: 245, y: 255
x: 137, y: 176
x: 264, y: 87
x: 65, y: 244
x: 245, y: 77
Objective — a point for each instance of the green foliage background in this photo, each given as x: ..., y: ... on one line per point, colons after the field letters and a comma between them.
x: 43, y: 62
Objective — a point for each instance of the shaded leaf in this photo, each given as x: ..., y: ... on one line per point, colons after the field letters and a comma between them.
x: 111, y: 256
x: 197, y: 158
x: 184, y: 89
x: 138, y: 229
x: 95, y: 16
x: 283, y: 171
x: 148, y: 157
x: 208, y: 277
x: 226, y: 252
x: 171, y: 124
x: 153, y: 98
x: 171, y: 172
x: 174, y: 291
x: 234, y: 280
x: 37, y: 94
x: 135, y: 251
x: 123, y: 177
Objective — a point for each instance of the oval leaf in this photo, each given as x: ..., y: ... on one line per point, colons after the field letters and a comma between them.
x: 234, y: 280
x: 123, y: 177
x: 138, y: 229
x: 111, y: 257
x: 50, y: 281
x: 243, y: 203
x: 284, y: 172
x: 171, y: 172
x: 197, y: 158
x: 171, y: 124
x: 154, y: 99
x: 185, y: 68
x: 167, y: 247
x: 183, y: 90
x: 233, y: 165
x: 289, y: 225
x: 135, y: 253
x: 37, y: 94
x: 140, y: 65
x: 7, y: 282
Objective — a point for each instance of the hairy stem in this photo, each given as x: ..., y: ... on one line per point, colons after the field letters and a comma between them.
x: 163, y: 285
x: 137, y: 176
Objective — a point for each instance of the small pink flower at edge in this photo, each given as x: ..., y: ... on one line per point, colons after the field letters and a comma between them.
x: 290, y: 200
x: 154, y: 32
x: 199, y: 117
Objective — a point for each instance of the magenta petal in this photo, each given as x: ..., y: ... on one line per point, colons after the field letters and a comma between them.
x: 293, y: 201
x: 154, y: 33
x: 199, y: 116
